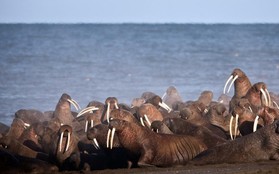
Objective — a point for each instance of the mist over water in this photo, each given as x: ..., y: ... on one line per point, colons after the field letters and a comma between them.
x: 40, y: 62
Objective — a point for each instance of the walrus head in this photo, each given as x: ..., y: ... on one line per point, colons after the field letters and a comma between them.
x: 241, y: 83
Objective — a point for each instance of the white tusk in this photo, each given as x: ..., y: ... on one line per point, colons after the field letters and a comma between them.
x: 231, y: 120
x: 265, y: 97
x: 255, y: 123
x: 60, y: 141
x: 108, y: 112
x: 165, y: 106
x: 86, y: 125
x: 92, y: 123
x: 141, y: 121
x: 236, y: 125
x: 268, y: 97
x: 116, y: 106
x: 96, y: 143
x: 73, y: 102
x: 88, y: 109
x: 276, y: 104
x: 232, y: 83
x: 26, y: 125
x: 112, y: 136
x: 157, y: 130
x: 108, y: 136
x: 146, y: 118
x: 250, y: 108
x: 164, y: 95
x: 68, y: 141
x: 229, y: 79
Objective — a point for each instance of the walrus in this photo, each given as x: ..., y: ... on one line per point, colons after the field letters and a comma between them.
x: 183, y: 127
x: 258, y: 96
x: 241, y: 85
x: 14, y: 163
x: 172, y: 97
x: 63, y: 109
x: 110, y: 104
x: 17, y: 148
x: 156, y: 149
x: 260, y: 145
x: 30, y: 116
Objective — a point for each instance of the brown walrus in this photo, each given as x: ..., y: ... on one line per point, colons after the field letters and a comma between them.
x: 156, y: 149
x: 241, y: 85
x: 260, y: 145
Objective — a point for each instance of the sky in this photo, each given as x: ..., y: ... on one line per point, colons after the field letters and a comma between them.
x: 139, y: 11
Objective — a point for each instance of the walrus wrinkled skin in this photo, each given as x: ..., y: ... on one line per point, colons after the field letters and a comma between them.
x: 260, y: 145
x: 156, y: 149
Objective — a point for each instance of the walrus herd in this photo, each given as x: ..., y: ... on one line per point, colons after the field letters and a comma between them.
x: 151, y: 131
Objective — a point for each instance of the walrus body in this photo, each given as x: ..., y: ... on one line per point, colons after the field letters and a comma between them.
x: 156, y: 149
x: 260, y: 145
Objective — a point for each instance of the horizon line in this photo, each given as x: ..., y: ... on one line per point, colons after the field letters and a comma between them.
x: 151, y: 23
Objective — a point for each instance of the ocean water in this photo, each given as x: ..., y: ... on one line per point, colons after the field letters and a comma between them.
x: 40, y: 62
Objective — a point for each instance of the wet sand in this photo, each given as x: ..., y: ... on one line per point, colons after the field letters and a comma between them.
x: 271, y: 167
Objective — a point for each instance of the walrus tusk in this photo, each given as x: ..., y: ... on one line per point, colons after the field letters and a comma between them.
x: 86, y: 124
x: 265, y: 97
x: 92, y: 123
x: 141, y: 121
x: 146, y: 118
x: 255, y: 123
x: 108, y: 136
x: 268, y: 97
x: 26, y: 125
x: 229, y: 79
x: 88, y: 109
x: 96, y: 143
x: 111, y: 138
x: 165, y: 106
x: 164, y: 95
x: 116, y: 106
x: 234, y: 79
x: 276, y: 104
x: 68, y: 141
x: 250, y: 108
x: 236, y: 125
x: 108, y: 112
x: 73, y: 102
x: 231, y: 120
x: 60, y: 141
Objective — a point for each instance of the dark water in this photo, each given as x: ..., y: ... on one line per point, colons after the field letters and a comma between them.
x: 39, y: 62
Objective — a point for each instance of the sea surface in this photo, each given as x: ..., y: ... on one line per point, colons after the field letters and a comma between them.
x: 40, y: 62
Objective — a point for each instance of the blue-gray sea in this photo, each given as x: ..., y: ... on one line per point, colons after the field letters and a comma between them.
x: 40, y: 62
